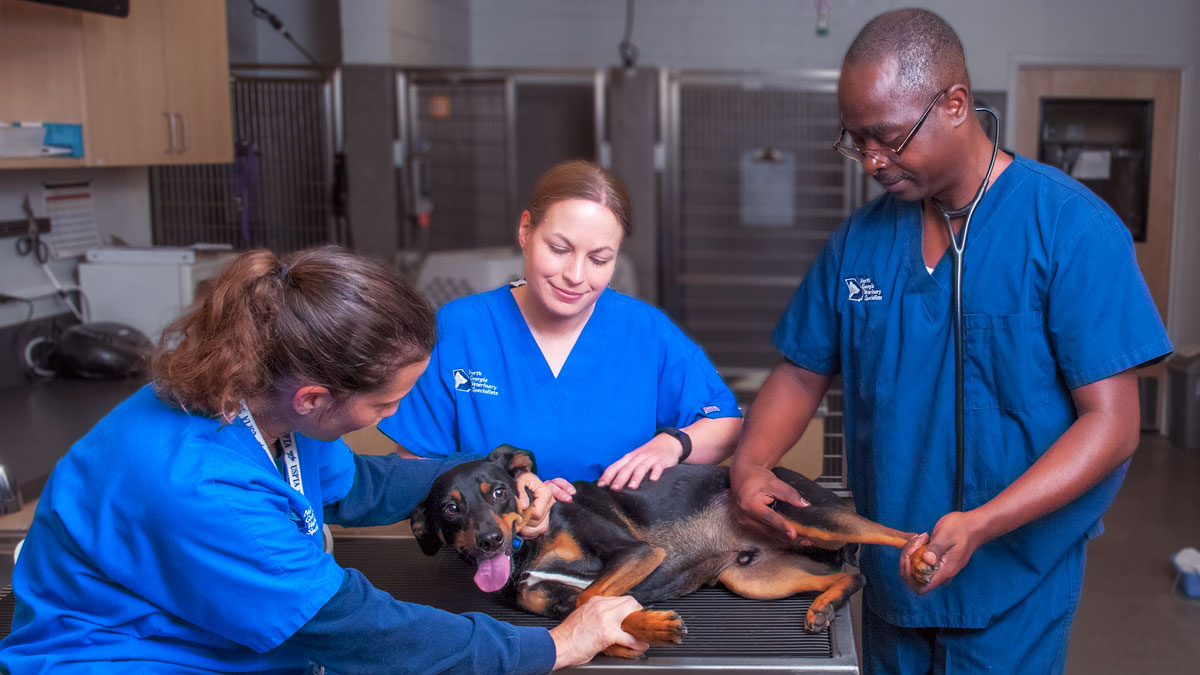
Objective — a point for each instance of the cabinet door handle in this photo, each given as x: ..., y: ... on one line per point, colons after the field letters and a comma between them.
x: 170, y: 132
x: 187, y: 137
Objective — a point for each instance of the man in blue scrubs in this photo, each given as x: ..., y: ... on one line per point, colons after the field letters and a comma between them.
x: 1057, y: 319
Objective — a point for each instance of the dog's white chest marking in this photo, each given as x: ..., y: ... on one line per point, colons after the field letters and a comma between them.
x: 534, y: 578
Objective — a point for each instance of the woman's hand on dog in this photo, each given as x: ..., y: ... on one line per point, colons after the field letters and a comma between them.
x: 651, y: 458
x: 537, y: 519
x: 592, y: 628
x: 562, y: 489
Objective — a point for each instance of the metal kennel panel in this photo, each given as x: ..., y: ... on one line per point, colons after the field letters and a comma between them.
x: 753, y: 189
x: 756, y: 191
x: 471, y: 142
x: 462, y: 160
x: 833, y: 446
x: 284, y: 128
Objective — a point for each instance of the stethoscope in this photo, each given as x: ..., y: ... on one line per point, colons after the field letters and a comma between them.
x: 958, y: 245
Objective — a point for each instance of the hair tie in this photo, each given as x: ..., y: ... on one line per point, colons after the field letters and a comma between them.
x: 284, y: 268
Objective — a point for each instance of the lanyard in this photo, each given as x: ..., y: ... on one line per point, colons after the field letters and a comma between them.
x: 287, y: 443
x: 291, y: 461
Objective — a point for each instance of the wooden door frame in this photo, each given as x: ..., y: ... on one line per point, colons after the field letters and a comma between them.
x: 1155, y: 256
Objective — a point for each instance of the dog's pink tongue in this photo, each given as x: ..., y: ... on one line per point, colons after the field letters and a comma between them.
x: 493, y: 573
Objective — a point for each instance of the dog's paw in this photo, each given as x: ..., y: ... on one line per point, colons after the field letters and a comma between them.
x: 655, y: 627
x: 818, y: 620
x: 922, y: 572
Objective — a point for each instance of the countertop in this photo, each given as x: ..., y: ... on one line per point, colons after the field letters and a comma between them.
x: 39, y: 422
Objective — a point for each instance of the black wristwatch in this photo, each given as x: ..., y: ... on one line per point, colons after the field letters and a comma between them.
x: 684, y: 440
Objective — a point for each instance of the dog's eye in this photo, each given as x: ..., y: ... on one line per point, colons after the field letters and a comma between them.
x: 450, y: 509
x: 498, y: 493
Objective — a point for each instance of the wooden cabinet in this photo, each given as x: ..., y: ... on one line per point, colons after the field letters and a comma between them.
x: 41, y: 70
x: 197, y: 59
x: 150, y: 88
x: 158, y: 84
x: 126, y: 85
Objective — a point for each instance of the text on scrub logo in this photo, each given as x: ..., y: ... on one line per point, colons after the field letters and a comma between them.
x: 473, y: 382
x: 862, y: 289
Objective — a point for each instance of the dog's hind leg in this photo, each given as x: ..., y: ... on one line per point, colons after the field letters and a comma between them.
x: 779, y: 575
x: 829, y: 524
x: 829, y: 527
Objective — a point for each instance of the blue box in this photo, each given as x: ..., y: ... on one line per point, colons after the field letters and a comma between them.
x: 1189, y: 583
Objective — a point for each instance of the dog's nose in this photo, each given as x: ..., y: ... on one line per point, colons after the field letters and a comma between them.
x: 491, y: 541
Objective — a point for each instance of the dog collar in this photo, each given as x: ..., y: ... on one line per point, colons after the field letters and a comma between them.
x: 516, y: 543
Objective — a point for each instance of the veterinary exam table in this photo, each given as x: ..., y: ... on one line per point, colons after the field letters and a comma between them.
x: 727, y: 634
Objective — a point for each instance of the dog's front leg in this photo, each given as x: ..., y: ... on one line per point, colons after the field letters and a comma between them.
x: 628, y: 568
x: 625, y: 568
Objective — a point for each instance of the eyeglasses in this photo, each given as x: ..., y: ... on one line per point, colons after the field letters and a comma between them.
x: 845, y: 144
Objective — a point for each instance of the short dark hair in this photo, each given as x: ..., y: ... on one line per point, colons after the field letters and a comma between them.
x: 581, y: 179
x: 327, y: 316
x: 926, y: 49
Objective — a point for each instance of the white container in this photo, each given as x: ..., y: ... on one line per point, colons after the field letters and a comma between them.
x: 147, y: 296
x: 148, y: 255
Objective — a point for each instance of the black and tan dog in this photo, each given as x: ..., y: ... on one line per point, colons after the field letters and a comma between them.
x: 661, y: 541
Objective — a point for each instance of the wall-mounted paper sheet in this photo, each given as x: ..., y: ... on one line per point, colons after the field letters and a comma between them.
x: 768, y: 188
x: 72, y: 219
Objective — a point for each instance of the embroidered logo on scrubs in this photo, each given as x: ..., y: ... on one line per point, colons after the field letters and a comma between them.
x: 306, y: 523
x: 710, y: 409
x: 461, y: 381
x: 862, y: 289
x: 473, y: 382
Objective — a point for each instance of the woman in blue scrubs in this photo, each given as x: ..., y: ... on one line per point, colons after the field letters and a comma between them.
x: 183, y: 533
x: 1057, y: 318
x: 597, y: 384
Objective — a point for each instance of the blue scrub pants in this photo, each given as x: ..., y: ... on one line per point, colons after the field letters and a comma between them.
x: 1031, y: 637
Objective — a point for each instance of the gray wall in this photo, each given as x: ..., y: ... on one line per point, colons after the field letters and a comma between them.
x: 312, y: 23
x: 406, y: 32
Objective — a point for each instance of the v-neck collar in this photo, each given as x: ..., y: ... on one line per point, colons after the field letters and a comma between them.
x: 582, y: 357
x: 912, y: 220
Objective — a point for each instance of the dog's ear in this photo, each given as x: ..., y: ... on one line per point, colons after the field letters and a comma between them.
x: 514, y: 460
x: 429, y: 540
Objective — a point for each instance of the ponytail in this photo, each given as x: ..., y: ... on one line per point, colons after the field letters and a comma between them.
x: 325, y: 316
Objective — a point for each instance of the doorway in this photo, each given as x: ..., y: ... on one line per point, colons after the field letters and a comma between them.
x: 1046, y: 91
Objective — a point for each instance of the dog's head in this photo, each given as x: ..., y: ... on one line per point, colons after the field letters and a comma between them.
x: 473, y: 507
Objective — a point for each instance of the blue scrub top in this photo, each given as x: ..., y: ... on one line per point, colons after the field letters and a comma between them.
x: 171, y: 527
x: 1053, y: 300
x: 630, y: 372
x: 169, y: 542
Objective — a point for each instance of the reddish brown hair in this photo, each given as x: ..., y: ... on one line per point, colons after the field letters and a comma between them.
x: 324, y: 316
x: 580, y: 179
